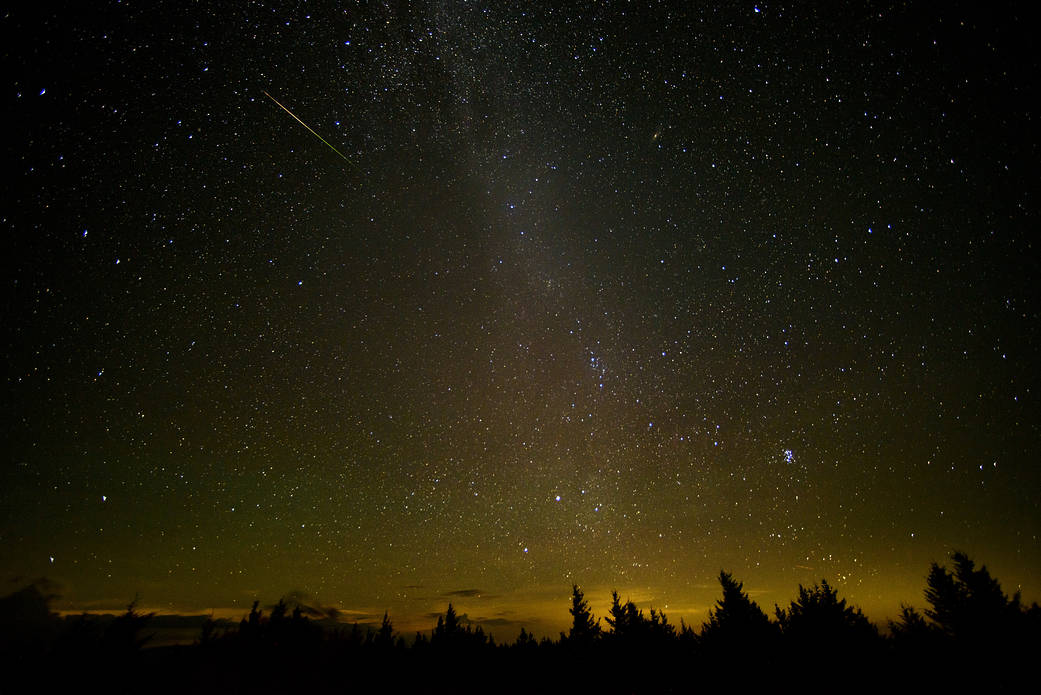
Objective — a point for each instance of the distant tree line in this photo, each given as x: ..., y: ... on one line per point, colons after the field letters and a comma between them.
x: 969, y: 626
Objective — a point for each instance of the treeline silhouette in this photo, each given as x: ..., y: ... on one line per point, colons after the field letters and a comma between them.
x: 970, y: 628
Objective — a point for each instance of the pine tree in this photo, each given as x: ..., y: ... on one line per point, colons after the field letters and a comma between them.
x: 525, y: 640
x: 626, y: 620
x: 818, y: 616
x: 385, y: 636
x: 969, y: 603
x: 448, y: 630
x: 451, y: 620
x: 123, y: 635
x: 913, y: 633
x: 736, y: 618
x: 421, y: 642
x: 584, y: 629
x: 660, y: 628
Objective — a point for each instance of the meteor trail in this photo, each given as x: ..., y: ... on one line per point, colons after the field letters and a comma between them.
x: 310, y: 129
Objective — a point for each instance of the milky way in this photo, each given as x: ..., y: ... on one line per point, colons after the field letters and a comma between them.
x: 608, y: 294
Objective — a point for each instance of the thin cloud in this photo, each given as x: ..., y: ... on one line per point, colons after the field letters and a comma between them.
x: 468, y: 593
x: 495, y: 622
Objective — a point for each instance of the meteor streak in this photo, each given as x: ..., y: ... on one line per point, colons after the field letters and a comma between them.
x: 342, y: 156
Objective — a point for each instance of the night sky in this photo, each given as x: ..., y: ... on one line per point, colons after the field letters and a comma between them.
x: 618, y: 294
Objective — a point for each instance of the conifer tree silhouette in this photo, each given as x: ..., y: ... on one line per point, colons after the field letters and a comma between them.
x: 451, y: 620
x: 910, y: 624
x: 385, y: 636
x: 123, y: 635
x: 278, y: 613
x: 736, y: 619
x: 968, y: 604
x: 630, y: 626
x: 913, y: 635
x: 525, y: 640
x: 250, y: 626
x: 659, y: 629
x: 584, y: 629
x: 447, y: 630
x: 820, y: 618
x: 968, y: 608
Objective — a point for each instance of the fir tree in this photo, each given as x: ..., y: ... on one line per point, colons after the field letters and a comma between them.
x: 385, y: 636
x: 584, y: 629
x: 819, y: 617
x: 736, y: 618
x: 969, y: 605
x: 448, y: 630
x: 525, y: 640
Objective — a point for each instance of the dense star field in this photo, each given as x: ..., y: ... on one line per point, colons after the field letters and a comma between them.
x: 616, y: 294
